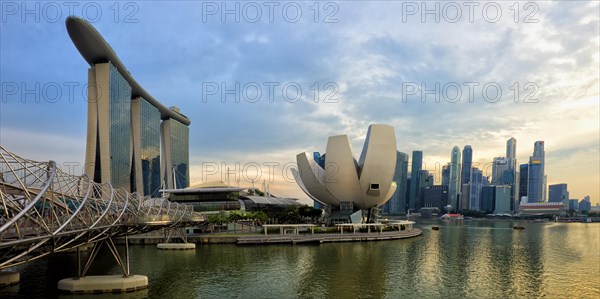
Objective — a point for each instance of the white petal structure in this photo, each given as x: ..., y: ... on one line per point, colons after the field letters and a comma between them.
x: 367, y: 183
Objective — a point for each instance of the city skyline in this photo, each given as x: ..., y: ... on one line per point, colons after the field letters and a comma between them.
x: 367, y: 66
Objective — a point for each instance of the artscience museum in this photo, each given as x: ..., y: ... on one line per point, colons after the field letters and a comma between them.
x: 346, y: 186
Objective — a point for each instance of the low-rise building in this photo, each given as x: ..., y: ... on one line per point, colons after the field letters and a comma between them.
x: 542, y: 208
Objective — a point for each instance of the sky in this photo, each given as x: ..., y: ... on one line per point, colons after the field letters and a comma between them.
x: 264, y: 81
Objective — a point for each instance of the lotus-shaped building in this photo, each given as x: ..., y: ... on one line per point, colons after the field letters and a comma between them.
x: 340, y: 180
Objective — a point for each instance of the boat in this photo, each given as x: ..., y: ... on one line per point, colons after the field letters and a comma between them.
x: 518, y: 227
x: 435, y: 228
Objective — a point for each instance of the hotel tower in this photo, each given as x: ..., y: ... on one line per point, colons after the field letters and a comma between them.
x: 133, y: 141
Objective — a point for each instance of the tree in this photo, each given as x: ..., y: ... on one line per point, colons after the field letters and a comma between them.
x: 234, y: 217
x: 259, y: 216
x: 310, y: 212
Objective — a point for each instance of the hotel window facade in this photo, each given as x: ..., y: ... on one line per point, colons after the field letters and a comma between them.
x: 150, y: 148
x: 175, y: 142
x: 120, y: 124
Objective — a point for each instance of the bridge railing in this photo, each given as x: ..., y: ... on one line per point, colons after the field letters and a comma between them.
x: 44, y: 209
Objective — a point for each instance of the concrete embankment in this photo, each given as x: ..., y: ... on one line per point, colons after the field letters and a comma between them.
x: 328, y: 238
x: 243, y: 239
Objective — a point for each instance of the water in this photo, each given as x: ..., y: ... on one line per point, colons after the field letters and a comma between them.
x: 462, y: 260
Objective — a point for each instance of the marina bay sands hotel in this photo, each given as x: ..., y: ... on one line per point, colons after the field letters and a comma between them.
x: 133, y: 141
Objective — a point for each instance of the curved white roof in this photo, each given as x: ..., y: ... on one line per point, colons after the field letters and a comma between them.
x: 367, y: 183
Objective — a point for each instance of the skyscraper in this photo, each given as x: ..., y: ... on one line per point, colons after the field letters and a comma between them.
x: 464, y: 199
x: 523, y: 178
x: 511, y: 173
x: 124, y: 131
x: 536, y: 175
x: 454, y: 184
x: 502, y: 200
x: 397, y: 203
x: 426, y: 178
x: 511, y: 152
x: 467, y: 156
x: 499, y: 171
x: 146, y: 128
x: 446, y: 175
x: 415, y: 172
x: 175, y: 147
x: 488, y: 199
x: 321, y: 161
x: 475, y: 192
x: 426, y: 181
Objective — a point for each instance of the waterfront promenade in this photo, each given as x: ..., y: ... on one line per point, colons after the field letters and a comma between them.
x: 258, y: 238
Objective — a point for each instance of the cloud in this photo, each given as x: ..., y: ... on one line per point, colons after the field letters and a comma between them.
x: 369, y: 55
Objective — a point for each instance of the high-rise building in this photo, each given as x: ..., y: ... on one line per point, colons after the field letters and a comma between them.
x: 435, y: 196
x: 426, y: 181
x: 511, y: 175
x: 125, y: 135
x: 407, y: 195
x: 426, y: 178
x: 485, y: 181
x: 108, y: 147
x: 415, y: 180
x: 523, y: 174
x: 320, y: 160
x: 454, y: 183
x: 545, y: 187
x: 516, y: 189
x: 146, y: 128
x: 536, y: 176
x: 558, y: 193
x: 488, y: 199
x: 175, y: 149
x: 397, y: 203
x: 464, y: 198
x: 502, y: 200
x: 446, y: 175
x: 467, y: 161
x: 585, y: 204
x: 499, y: 171
x: 511, y: 152
x: 573, y: 204
x: 475, y: 192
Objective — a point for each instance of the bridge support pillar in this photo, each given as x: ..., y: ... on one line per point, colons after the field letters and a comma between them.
x: 104, y: 283
x: 180, y: 232
x: 8, y: 278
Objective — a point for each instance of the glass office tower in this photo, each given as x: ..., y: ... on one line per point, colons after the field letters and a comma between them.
x: 415, y: 172
x: 536, y: 177
x: 467, y: 156
x: 454, y: 184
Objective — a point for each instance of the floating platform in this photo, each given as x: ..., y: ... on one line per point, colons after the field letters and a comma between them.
x: 176, y: 246
x: 103, y: 284
x: 8, y: 278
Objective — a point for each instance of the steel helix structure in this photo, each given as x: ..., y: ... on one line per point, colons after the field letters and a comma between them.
x: 45, y: 210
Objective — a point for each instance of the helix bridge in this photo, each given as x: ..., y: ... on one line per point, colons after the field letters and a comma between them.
x: 45, y: 210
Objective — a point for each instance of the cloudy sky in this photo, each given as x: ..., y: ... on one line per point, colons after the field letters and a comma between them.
x: 263, y: 81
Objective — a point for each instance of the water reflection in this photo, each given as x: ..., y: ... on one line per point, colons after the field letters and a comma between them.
x: 461, y: 260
